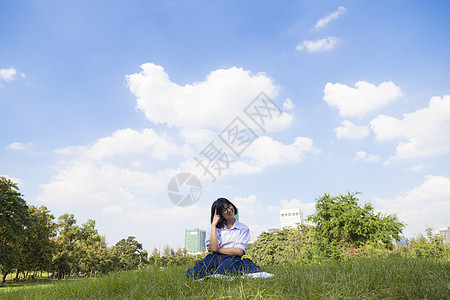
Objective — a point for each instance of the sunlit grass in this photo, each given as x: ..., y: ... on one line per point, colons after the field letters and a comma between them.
x: 397, y: 278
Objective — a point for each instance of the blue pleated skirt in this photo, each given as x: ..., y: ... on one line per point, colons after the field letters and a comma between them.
x: 215, y: 263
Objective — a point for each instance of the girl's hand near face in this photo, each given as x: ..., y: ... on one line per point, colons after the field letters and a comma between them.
x: 213, y: 242
x: 216, y: 219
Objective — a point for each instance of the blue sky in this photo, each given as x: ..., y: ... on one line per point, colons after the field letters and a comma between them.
x: 103, y: 102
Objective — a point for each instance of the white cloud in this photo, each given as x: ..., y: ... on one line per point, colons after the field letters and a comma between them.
x: 211, y: 103
x: 363, y: 156
x: 351, y: 131
x: 318, y: 45
x: 245, y: 200
x: 198, y: 137
x: 423, y: 133
x: 150, y: 214
x: 127, y: 142
x: 247, y: 205
x: 136, y: 163
x: 113, y: 168
x: 113, y: 209
x: 10, y: 74
x: 425, y: 205
x: 19, y: 146
x: 418, y: 168
x: 88, y: 182
x: 288, y: 104
x: 265, y: 151
x: 122, y: 166
x: 334, y: 15
x: 364, y: 98
x: 278, y: 123
x: 386, y: 128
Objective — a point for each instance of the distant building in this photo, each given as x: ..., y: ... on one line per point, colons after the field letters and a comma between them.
x: 444, y: 233
x: 402, y: 242
x: 291, y: 217
x: 272, y: 230
x: 194, y: 240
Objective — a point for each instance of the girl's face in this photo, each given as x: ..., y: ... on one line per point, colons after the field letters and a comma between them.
x: 228, y: 211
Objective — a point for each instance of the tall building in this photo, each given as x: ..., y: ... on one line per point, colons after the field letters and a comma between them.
x: 402, y: 242
x: 194, y: 240
x: 444, y: 233
x: 291, y: 217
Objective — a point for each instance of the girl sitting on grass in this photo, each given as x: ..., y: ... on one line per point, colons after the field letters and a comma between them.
x: 227, y: 242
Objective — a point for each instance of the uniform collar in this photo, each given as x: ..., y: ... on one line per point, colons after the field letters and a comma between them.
x: 236, y: 225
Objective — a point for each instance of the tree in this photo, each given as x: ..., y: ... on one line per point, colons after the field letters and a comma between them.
x: 13, y: 217
x: 300, y: 243
x: 270, y: 248
x: 68, y: 246
x: 341, y: 223
x: 181, y: 252
x: 155, y: 258
x: 36, y: 247
x: 430, y: 246
x: 131, y: 253
x: 168, y: 251
x: 91, y: 244
x: 155, y: 252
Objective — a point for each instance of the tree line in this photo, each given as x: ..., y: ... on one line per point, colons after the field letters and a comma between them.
x: 32, y: 241
x: 343, y: 229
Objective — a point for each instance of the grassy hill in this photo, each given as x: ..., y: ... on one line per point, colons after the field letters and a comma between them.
x: 379, y: 278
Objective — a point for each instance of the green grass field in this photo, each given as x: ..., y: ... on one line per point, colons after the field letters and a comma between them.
x: 381, y: 278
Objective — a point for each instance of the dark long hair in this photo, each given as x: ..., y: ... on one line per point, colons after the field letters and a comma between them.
x: 218, y: 204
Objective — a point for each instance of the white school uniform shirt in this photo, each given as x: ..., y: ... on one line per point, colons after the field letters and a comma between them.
x: 236, y: 236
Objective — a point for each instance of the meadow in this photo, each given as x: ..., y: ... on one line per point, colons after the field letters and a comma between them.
x: 375, y: 278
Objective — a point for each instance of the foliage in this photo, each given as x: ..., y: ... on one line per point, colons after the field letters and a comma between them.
x: 282, y: 246
x: 343, y: 229
x: 81, y: 250
x: 13, y: 219
x: 131, y: 253
x: 36, y: 246
x: 341, y: 223
x: 170, y: 257
x: 68, y: 247
x: 31, y: 241
x: 429, y: 246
